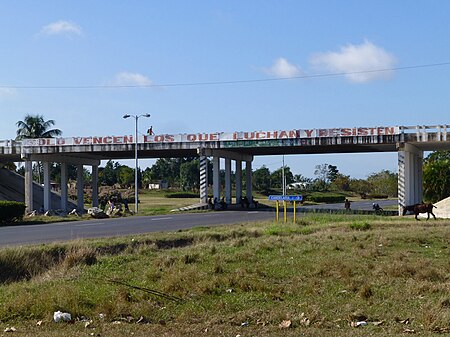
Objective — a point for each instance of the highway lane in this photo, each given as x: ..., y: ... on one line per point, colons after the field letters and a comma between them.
x: 358, y: 205
x: 64, y: 231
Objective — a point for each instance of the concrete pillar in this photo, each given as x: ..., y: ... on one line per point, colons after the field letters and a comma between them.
x: 47, y: 186
x: 203, y: 179
x: 238, y: 178
x: 410, y: 175
x: 64, y: 180
x: 94, y: 186
x: 228, y: 181
x: 28, y: 186
x: 80, y: 188
x: 248, y: 179
x: 216, y: 177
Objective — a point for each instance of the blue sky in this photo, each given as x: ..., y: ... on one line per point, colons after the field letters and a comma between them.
x: 62, y: 59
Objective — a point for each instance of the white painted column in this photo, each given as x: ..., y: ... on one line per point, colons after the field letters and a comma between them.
x: 29, y: 186
x: 420, y: 177
x: 216, y: 177
x: 228, y: 181
x: 80, y: 188
x: 248, y: 179
x: 401, y: 181
x: 203, y: 179
x: 64, y: 180
x: 410, y: 190
x: 238, y: 178
x: 94, y: 183
x: 47, y: 186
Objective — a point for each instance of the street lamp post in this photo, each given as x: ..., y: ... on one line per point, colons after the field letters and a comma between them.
x: 136, y: 190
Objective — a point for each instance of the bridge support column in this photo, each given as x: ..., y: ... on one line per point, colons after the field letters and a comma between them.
x: 47, y: 186
x: 410, y: 190
x: 238, y: 178
x: 248, y: 179
x: 64, y: 179
x: 203, y: 179
x: 228, y: 181
x: 229, y: 155
x: 216, y: 178
x: 28, y: 186
x: 94, y: 186
x: 80, y: 188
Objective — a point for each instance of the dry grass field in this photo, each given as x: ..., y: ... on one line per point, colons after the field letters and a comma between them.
x: 317, y: 277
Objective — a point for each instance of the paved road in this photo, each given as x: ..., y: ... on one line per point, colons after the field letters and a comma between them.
x: 357, y: 205
x: 63, y: 231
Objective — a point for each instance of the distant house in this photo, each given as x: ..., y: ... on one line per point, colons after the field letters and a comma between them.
x: 158, y: 185
x: 297, y: 186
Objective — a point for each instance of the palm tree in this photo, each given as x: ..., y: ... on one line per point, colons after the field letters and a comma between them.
x: 34, y: 126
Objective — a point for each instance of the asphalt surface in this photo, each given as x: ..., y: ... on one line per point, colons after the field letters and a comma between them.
x: 65, y: 231
x: 365, y: 205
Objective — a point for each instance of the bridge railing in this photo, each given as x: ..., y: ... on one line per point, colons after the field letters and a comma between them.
x: 426, y: 133
x: 9, y: 143
x: 421, y: 133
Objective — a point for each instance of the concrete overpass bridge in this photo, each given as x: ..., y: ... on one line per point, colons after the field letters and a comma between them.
x: 409, y: 142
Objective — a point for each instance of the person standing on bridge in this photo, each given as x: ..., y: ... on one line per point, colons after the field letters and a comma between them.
x: 150, y: 131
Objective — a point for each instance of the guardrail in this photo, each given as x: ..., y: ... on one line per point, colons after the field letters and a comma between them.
x: 423, y: 133
x: 10, y: 143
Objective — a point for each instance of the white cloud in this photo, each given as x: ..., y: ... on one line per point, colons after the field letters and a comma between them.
x: 6, y: 92
x: 126, y: 78
x: 360, y: 62
x: 61, y: 28
x: 281, y: 68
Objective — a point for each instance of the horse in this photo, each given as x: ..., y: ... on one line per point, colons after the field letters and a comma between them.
x: 420, y: 208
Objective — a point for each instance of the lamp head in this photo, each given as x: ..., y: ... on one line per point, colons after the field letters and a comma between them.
x: 147, y: 115
x: 126, y: 116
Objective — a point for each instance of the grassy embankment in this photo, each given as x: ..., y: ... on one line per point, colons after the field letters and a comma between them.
x: 317, y: 276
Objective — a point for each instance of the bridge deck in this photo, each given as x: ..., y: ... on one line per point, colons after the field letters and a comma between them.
x: 425, y: 138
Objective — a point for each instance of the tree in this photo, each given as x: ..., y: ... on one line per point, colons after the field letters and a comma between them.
x: 361, y: 186
x: 384, y: 182
x: 168, y: 169
x: 55, y: 172
x: 108, y: 175
x: 436, y: 176
x: 340, y: 183
x: 333, y: 173
x: 276, y: 177
x: 125, y: 176
x: 261, y: 179
x: 34, y: 126
x: 147, y: 176
x: 190, y: 175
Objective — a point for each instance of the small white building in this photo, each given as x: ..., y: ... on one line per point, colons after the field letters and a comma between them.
x: 158, y: 185
x: 296, y: 186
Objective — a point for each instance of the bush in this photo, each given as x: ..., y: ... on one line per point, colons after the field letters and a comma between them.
x: 360, y: 226
x: 325, y: 197
x: 11, y: 211
x: 377, y: 196
x: 181, y: 195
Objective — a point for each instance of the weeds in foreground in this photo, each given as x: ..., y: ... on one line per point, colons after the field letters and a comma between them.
x: 318, y: 277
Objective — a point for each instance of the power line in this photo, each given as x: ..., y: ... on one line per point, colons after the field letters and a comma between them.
x: 192, y: 84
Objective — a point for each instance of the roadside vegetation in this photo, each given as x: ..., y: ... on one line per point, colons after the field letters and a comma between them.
x: 317, y: 277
